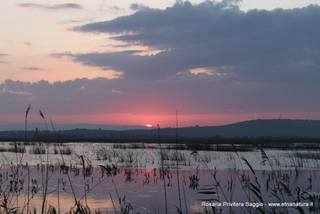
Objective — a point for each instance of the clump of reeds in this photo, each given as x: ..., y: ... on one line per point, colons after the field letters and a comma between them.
x: 16, y: 148
x: 38, y: 149
x: 62, y: 150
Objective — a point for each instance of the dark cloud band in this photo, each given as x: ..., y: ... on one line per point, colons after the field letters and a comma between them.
x: 257, y: 45
x: 64, y: 6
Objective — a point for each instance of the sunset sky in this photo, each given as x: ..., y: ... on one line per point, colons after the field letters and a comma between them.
x: 136, y: 62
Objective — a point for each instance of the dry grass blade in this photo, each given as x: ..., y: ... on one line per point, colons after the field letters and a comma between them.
x: 249, y: 165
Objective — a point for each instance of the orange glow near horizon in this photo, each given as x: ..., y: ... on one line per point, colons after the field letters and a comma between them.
x: 164, y: 120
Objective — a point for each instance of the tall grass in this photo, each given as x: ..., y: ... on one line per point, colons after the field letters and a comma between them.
x: 162, y: 170
x: 254, y: 185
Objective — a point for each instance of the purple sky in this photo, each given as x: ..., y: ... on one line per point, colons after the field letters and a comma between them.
x: 136, y: 62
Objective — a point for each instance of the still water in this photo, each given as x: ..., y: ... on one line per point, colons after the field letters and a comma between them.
x: 147, y: 178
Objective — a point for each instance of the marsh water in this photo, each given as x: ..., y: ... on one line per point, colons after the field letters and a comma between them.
x: 153, y: 178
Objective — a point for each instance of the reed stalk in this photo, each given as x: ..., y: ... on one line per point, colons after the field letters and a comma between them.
x: 162, y: 172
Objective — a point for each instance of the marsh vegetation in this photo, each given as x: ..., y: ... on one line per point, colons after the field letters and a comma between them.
x: 153, y: 178
x: 122, y: 178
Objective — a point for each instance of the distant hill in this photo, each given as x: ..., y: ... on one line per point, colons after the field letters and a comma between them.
x: 276, y: 128
x: 258, y: 128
